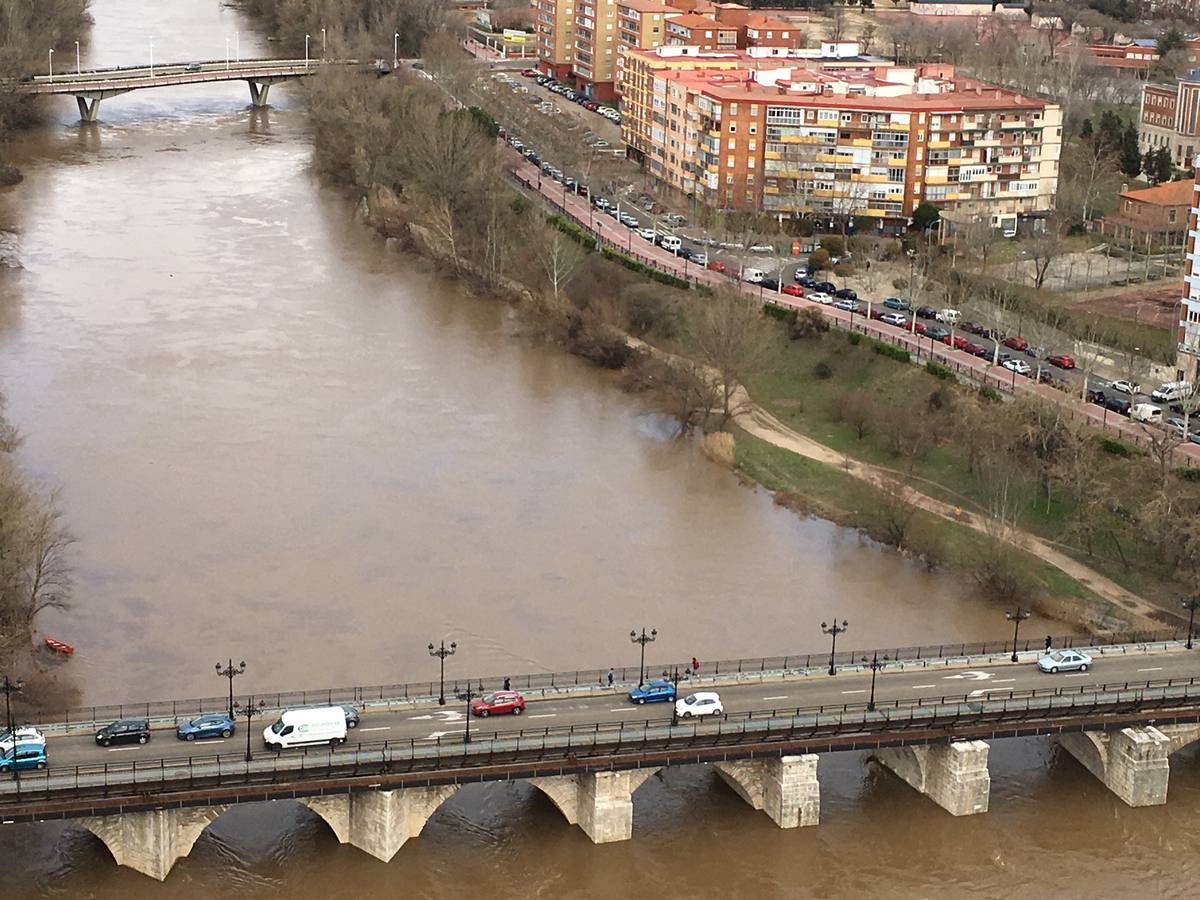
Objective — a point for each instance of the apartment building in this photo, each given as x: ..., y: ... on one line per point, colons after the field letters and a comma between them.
x: 641, y: 24
x: 833, y: 133
x: 1170, y: 117
x: 554, y: 26
x: 1187, y: 360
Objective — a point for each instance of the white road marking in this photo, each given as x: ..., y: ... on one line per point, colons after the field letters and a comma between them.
x: 780, y: 697
x: 377, y: 728
x: 119, y: 749
x: 622, y: 709
x: 1076, y: 675
x: 917, y: 687
x: 863, y: 691
x: 1153, y: 669
x: 434, y: 735
x: 543, y: 716
x: 970, y: 676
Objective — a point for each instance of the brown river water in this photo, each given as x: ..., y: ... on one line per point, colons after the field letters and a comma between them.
x: 276, y: 440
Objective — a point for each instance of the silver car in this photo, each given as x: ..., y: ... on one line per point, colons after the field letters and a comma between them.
x: 1065, y: 661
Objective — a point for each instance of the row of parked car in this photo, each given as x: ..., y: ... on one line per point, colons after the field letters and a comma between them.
x: 569, y: 93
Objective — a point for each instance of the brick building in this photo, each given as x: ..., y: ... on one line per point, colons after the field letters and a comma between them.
x: 832, y: 132
x: 1158, y: 214
x: 1170, y: 117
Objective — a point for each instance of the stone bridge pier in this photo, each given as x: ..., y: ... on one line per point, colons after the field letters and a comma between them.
x: 954, y: 776
x: 786, y: 789
x: 601, y: 803
x: 150, y: 842
x: 380, y: 822
x: 1131, y: 762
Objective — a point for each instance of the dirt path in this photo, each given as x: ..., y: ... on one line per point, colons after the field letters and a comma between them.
x: 764, y: 426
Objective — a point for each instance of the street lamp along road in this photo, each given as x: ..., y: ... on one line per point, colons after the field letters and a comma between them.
x: 231, y: 671
x: 441, y: 652
x: 249, y: 710
x: 10, y: 688
x: 1191, y: 604
x: 874, y: 664
x: 1017, y: 616
x: 835, y: 629
x: 643, y: 639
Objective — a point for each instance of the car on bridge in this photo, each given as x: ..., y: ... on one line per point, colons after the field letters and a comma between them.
x: 497, y: 703
x: 655, y: 691
x: 24, y: 756
x: 210, y: 725
x: 701, y: 703
x: 124, y: 731
x: 26, y: 734
x: 1065, y: 661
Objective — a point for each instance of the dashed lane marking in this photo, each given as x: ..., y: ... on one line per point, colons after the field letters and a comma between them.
x: 863, y: 691
x: 543, y: 716
x: 377, y: 728
x: 918, y: 687
x: 780, y: 697
x: 1152, y: 669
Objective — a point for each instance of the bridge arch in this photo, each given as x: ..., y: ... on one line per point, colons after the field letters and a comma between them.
x: 379, y: 822
x: 151, y: 842
x: 601, y: 803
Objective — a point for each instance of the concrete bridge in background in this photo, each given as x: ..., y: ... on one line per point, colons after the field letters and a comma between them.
x: 91, y: 86
x: 926, y: 720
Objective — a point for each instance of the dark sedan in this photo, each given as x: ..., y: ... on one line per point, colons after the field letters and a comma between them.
x: 925, y: 312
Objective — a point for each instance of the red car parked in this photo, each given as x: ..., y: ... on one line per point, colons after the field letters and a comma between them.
x: 961, y: 343
x: 497, y: 703
x: 794, y: 290
x: 530, y: 73
x: 1016, y: 343
x: 717, y: 266
x: 1062, y: 361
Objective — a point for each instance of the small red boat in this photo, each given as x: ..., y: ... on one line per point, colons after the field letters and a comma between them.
x: 59, y: 646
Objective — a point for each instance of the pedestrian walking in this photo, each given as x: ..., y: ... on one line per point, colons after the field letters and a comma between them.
x: 610, y: 677
x: 695, y: 665
x: 507, y: 683
x: 1048, y: 642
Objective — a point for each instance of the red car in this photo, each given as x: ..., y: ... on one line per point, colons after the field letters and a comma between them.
x: 919, y: 327
x: 1062, y: 361
x: 497, y: 703
x: 794, y: 290
x: 717, y: 266
x: 530, y: 73
x: 961, y: 343
x: 976, y: 350
x: 1016, y: 343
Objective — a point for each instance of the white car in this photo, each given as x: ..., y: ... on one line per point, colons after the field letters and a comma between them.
x: 819, y: 297
x: 1126, y: 387
x: 26, y: 734
x: 647, y: 233
x: 762, y: 248
x: 701, y: 703
x: 1017, y: 365
x: 1065, y: 661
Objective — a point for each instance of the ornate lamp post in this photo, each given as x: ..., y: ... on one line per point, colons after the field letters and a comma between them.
x: 231, y: 671
x: 249, y: 710
x: 875, y: 664
x: 10, y: 688
x: 441, y: 652
x: 1191, y: 604
x: 468, y: 695
x: 643, y: 639
x: 835, y: 629
x: 1017, y: 616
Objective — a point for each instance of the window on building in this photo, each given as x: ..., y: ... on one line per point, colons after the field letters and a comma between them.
x: 733, y: 127
x: 753, y: 146
x: 733, y: 109
x: 1171, y: 216
x: 729, y: 162
x: 895, y: 175
x: 729, y: 179
x: 754, y: 129
x: 732, y: 145
x: 749, y: 179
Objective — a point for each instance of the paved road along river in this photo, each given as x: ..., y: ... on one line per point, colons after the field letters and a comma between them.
x: 276, y: 441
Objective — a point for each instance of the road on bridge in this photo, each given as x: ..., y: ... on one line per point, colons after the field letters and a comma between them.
x: 424, y: 721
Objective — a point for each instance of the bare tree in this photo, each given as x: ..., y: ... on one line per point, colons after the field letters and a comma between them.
x: 1042, y: 249
x: 835, y: 28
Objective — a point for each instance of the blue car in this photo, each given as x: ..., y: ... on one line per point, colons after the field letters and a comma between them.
x: 211, y: 725
x: 24, y: 756
x: 654, y: 692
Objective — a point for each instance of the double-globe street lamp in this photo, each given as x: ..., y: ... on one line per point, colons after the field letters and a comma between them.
x: 231, y: 671
x: 249, y: 710
x: 12, y: 687
x: 834, y: 630
x: 874, y: 664
x: 643, y: 639
x: 441, y: 652
x: 1016, y: 616
x: 1191, y: 604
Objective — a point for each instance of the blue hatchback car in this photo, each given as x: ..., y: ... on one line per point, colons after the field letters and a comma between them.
x: 654, y: 692
x: 24, y: 756
x: 211, y: 725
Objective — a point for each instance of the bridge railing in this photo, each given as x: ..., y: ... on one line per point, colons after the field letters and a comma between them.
x: 623, y: 676
x: 600, y: 741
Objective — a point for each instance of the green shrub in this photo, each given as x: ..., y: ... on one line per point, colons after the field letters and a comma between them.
x: 822, y: 370
x: 634, y: 266
x: 782, y: 313
x: 1116, y: 448
x: 937, y: 370
x: 1188, y: 473
x: 897, y: 353
x: 834, y: 245
x: 990, y: 394
x: 854, y: 338
x: 573, y: 231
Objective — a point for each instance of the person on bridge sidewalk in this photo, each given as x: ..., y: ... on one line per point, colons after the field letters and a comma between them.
x: 695, y: 665
x: 610, y: 677
x: 1049, y: 641
x: 507, y: 683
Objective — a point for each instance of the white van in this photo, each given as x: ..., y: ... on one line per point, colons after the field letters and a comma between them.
x: 670, y: 243
x: 306, y: 728
x: 1171, y: 391
x: 753, y: 276
x: 1144, y: 412
x: 948, y: 316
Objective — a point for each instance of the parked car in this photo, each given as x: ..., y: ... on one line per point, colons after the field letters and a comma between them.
x: 820, y: 297
x: 1015, y: 343
x: 850, y: 306
x: 1096, y: 397
x: 529, y: 73
x: 918, y: 328
x: 497, y: 703
x: 960, y: 343
x: 647, y: 234
x: 656, y: 691
x: 769, y: 284
x: 1116, y: 404
x: 948, y: 316
x: 628, y: 221
x: 1147, y: 413
x: 701, y: 703
x: 804, y: 280
x: 1017, y: 365
x: 976, y: 349
x: 897, y: 303
x: 894, y: 319
x: 1124, y: 386
x: 1180, y: 426
x: 24, y: 734
x: 24, y: 756
x: 845, y: 294
x: 937, y: 332
x: 925, y: 312
x: 793, y: 290
x: 1065, y: 661
x: 1035, y: 352
x: 700, y: 258
x: 973, y: 328
x: 1171, y: 392
x: 1061, y: 360
x: 124, y: 731
x: 826, y: 286
x: 717, y: 266
x: 210, y: 725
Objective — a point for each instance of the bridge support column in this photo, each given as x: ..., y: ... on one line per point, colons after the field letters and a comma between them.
x: 786, y: 789
x: 150, y: 842
x: 1132, y: 762
x: 601, y: 803
x: 954, y: 776
x: 88, y: 107
x: 258, y: 93
x: 380, y: 822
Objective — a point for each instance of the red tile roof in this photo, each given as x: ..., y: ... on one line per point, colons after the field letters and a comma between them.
x: 1170, y: 193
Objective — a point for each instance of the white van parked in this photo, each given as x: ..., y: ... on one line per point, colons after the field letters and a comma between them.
x: 948, y: 316
x: 753, y: 276
x: 671, y: 243
x: 1145, y: 412
x: 1171, y: 391
x: 307, y: 728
